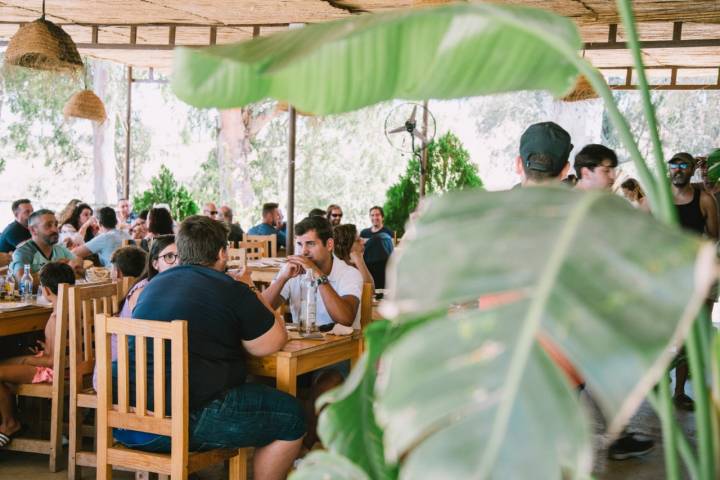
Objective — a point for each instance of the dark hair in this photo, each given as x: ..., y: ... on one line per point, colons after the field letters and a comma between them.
x: 75, y: 217
x: 540, y: 175
x: 39, y: 213
x: 130, y: 261
x: 16, y: 204
x: 269, y: 207
x: 319, y: 224
x: 593, y: 155
x: 53, y: 274
x: 317, y: 212
x: 344, y: 236
x: 199, y: 240
x: 107, y: 217
x: 143, y: 214
x: 159, y: 244
x: 160, y: 222
x: 379, y: 208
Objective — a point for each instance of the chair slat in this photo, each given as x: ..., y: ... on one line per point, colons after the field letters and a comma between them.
x: 123, y: 367
x: 159, y: 377
x: 140, y: 376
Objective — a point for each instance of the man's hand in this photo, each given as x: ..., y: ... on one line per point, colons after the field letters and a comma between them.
x: 302, y: 265
x: 242, y: 275
x: 5, y: 259
x: 357, y: 250
x: 77, y: 266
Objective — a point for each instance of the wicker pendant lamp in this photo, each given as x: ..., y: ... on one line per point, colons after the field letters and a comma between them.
x: 42, y: 45
x: 85, y: 104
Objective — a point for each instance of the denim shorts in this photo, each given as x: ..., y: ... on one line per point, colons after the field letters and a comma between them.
x: 251, y: 415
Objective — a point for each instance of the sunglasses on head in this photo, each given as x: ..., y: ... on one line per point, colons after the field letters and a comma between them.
x: 677, y: 165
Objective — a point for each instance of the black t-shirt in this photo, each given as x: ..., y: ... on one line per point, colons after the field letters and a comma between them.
x: 220, y: 312
x: 368, y: 233
x: 13, y: 235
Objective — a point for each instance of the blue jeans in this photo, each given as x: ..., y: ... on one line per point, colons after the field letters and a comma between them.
x: 251, y: 415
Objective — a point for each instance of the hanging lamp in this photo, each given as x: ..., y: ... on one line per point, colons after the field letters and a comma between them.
x: 42, y: 45
x: 85, y: 104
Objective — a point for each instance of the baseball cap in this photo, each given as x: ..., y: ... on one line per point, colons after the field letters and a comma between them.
x: 546, y: 138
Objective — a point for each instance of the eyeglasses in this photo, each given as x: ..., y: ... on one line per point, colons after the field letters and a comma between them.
x: 169, y: 258
x: 213, y: 212
x: 336, y: 215
x: 681, y: 165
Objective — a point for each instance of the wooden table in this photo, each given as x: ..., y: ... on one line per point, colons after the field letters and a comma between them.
x: 25, y: 320
x: 302, y: 355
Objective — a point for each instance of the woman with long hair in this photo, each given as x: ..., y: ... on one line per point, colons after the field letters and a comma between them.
x: 159, y: 222
x: 80, y: 228
x: 349, y: 248
x: 633, y: 192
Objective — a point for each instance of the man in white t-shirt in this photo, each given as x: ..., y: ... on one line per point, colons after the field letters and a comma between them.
x: 339, y: 284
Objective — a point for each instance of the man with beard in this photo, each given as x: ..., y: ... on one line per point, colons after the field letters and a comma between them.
x: 697, y: 212
x: 43, y: 246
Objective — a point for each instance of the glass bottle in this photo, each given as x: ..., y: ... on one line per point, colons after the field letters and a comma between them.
x: 26, y: 285
x: 309, y: 310
x: 9, y: 284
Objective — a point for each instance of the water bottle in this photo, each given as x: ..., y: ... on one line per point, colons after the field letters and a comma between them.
x: 9, y: 284
x: 26, y: 285
x: 309, y: 314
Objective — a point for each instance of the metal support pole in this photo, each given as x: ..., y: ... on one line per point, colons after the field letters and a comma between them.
x: 128, y: 119
x: 290, y: 237
x: 424, y: 158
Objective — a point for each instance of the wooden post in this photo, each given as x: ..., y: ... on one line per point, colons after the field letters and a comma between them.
x: 290, y: 236
x: 128, y: 119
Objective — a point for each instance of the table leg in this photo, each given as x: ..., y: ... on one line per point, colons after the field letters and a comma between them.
x: 287, y: 375
x: 358, y: 353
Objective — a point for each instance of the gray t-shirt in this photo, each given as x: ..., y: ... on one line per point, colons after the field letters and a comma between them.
x: 106, y: 243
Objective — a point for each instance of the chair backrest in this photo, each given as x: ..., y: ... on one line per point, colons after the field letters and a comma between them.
x: 139, y: 418
x: 236, y: 257
x: 366, y: 305
x: 268, y: 241
x: 253, y: 250
x: 85, y: 302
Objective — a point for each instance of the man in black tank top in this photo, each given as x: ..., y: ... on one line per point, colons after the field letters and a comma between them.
x: 697, y: 211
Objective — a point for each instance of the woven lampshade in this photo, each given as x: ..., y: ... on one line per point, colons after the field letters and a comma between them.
x: 582, y: 91
x: 42, y: 45
x: 85, y: 104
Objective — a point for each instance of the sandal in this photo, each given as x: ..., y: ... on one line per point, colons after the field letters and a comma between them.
x: 6, y: 439
x: 683, y: 402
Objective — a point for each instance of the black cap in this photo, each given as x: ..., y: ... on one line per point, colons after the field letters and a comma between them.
x: 546, y: 138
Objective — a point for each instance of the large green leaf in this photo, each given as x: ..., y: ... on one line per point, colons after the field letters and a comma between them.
x: 347, y: 424
x: 444, y: 52
x: 439, y: 391
x: 321, y: 465
x: 610, y: 286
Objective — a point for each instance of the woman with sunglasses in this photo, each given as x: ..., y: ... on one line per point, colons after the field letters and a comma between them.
x: 163, y: 256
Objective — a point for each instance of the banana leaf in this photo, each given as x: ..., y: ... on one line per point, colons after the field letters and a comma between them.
x: 327, y: 466
x: 613, y: 289
x: 449, y: 51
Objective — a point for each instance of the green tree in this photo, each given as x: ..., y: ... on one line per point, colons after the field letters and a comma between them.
x: 448, y: 169
x: 165, y: 189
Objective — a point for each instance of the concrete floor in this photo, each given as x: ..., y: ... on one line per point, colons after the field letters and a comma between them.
x: 15, y: 465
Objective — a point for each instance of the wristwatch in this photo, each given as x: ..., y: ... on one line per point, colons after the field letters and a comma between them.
x: 322, y: 279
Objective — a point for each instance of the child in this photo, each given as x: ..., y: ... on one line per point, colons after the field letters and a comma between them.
x: 32, y: 368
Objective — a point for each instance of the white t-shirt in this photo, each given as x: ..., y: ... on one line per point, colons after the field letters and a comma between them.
x: 343, y: 278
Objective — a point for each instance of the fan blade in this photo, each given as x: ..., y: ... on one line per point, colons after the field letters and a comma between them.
x: 397, y: 130
x: 412, y: 116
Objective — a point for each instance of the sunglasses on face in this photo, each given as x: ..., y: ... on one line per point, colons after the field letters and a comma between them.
x: 336, y: 215
x: 211, y: 212
x: 679, y: 165
x: 169, y: 258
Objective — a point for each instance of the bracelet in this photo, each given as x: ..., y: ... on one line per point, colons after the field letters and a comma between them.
x: 322, y: 280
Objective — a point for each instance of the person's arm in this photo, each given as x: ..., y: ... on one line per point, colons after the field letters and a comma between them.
x: 82, y: 251
x: 343, y: 309
x: 356, y: 256
x: 709, y: 209
x: 50, y: 337
x: 271, y: 295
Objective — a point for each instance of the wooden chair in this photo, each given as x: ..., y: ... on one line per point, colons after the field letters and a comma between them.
x: 236, y: 257
x: 54, y: 392
x: 253, y: 250
x: 85, y: 302
x: 179, y: 462
x: 366, y: 305
x: 268, y: 241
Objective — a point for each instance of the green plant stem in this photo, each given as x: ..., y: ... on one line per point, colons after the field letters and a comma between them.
x: 671, y: 432
x: 667, y: 211
x: 672, y: 468
x: 702, y: 403
x: 527, y: 335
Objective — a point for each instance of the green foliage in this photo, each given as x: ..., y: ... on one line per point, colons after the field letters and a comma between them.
x: 449, y: 169
x: 165, y: 189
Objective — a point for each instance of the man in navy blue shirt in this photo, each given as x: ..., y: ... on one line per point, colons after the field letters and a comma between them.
x: 271, y: 222
x: 17, y: 231
x: 227, y: 320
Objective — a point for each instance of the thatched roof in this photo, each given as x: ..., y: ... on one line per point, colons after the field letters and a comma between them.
x: 143, y: 32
